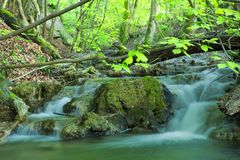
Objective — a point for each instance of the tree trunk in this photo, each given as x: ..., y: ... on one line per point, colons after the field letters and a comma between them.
x: 123, y: 35
x: 149, y: 36
x: 45, y: 15
x: 52, y: 28
x: 43, y: 20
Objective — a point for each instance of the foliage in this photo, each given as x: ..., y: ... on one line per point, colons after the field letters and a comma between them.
x: 181, y: 45
x: 100, y: 23
x: 133, y: 55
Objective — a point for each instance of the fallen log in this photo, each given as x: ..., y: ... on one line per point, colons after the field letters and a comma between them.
x: 162, y: 53
x: 62, y: 61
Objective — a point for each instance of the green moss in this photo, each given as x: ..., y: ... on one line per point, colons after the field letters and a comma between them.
x: 119, y: 94
x: 90, y: 125
x: 96, y: 123
x: 9, y: 18
x: 7, y: 13
x: 134, y: 102
x: 44, y: 127
x: 4, y: 31
x: 46, y: 46
x: 36, y: 94
x: 72, y: 131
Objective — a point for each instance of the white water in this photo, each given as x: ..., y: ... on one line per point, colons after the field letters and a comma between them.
x: 193, y: 103
x: 51, y: 108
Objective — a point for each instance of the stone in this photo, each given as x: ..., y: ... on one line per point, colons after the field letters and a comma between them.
x: 227, y: 132
x: 35, y: 94
x: 44, y: 127
x: 90, y: 125
x: 229, y: 104
x: 79, y: 105
x: 133, y: 103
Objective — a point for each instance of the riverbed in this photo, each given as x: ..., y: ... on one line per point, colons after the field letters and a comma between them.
x: 135, y: 147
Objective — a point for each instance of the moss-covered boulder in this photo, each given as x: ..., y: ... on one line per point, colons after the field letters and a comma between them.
x: 134, y: 103
x: 44, y: 127
x: 89, y: 125
x: 79, y: 105
x: 35, y: 94
x: 12, y: 112
x: 227, y: 132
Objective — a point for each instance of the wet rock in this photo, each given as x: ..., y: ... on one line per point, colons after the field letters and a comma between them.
x: 35, y: 94
x: 13, y: 109
x: 44, y: 127
x: 215, y: 117
x: 229, y: 132
x: 7, y: 113
x: 90, y: 125
x: 12, y: 112
x: 79, y: 105
x: 229, y: 104
x: 6, y: 129
x: 133, y: 103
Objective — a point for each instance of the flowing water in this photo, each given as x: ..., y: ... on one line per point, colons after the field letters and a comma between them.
x: 184, y: 138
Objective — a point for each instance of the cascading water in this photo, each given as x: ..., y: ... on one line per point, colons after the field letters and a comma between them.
x: 183, y: 138
x: 193, y: 102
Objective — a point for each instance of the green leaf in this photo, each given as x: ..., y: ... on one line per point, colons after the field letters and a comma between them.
x: 213, y: 41
x: 185, y: 47
x: 180, y: 18
x: 220, y: 20
x: 177, y: 51
x: 144, y: 65
x: 128, y: 60
x: 233, y: 66
x: 120, y: 67
x: 222, y: 65
x: 219, y: 11
x: 126, y: 68
x: 186, y: 53
x: 141, y: 57
x: 216, y: 58
x: 132, y: 53
x: 100, y: 55
x: 204, y: 48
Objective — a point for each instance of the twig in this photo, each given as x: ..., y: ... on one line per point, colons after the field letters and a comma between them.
x: 15, y: 79
x: 223, y: 47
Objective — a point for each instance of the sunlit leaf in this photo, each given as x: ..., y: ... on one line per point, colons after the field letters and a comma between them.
x: 204, y: 48
x: 177, y: 51
x: 128, y: 60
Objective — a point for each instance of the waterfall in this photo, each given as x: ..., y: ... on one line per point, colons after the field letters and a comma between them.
x: 194, y: 99
x: 193, y: 102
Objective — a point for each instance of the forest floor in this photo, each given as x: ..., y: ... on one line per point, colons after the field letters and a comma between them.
x: 18, y: 50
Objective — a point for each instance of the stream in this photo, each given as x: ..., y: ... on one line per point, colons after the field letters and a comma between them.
x: 185, y: 136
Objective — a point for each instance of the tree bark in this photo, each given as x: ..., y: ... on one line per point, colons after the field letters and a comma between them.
x: 149, y: 36
x: 45, y: 15
x: 52, y: 28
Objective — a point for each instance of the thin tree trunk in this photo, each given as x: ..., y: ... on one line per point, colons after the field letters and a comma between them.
x: 132, y: 15
x: 149, y: 36
x: 52, y: 28
x: 45, y: 15
x: 123, y: 35
x: 20, y: 7
x: 5, y: 3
